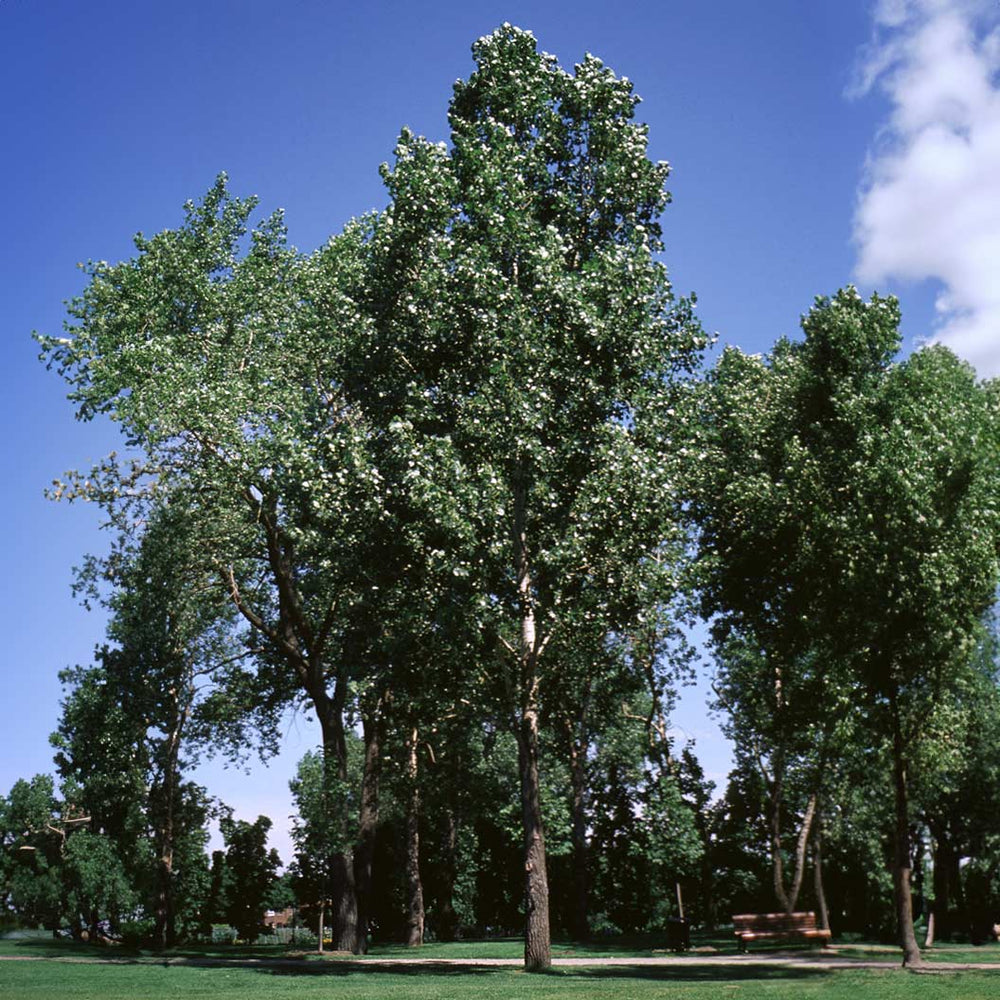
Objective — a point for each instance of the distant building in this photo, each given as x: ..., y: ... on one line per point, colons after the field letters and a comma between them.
x: 279, y: 918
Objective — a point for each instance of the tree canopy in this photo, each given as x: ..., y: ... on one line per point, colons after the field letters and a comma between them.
x: 848, y: 517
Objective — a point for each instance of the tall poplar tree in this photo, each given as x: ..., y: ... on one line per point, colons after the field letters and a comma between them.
x: 526, y: 340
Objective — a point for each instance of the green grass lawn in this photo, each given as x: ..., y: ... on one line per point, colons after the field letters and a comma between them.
x: 143, y: 976
x: 73, y: 981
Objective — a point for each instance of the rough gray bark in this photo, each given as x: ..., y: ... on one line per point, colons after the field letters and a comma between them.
x: 537, y: 942
x: 537, y: 938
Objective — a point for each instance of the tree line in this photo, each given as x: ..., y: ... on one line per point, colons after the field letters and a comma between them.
x: 457, y: 482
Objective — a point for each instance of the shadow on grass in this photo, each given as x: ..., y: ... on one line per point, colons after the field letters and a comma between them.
x: 687, y: 973
x: 378, y: 968
x: 66, y: 948
x: 60, y: 948
x: 695, y: 972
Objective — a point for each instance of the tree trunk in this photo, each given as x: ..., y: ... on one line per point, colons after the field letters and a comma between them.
x: 824, y: 913
x: 295, y: 639
x: 578, y: 777
x: 163, y: 928
x: 341, y: 887
x: 917, y: 882
x: 343, y: 903
x: 942, y: 894
x: 414, y: 887
x: 537, y: 943
x: 800, y: 855
x: 775, y: 783
x: 364, y: 855
x: 902, y: 895
x: 164, y: 932
x: 447, y: 921
x: 961, y: 918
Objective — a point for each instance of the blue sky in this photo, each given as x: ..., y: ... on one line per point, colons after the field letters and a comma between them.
x: 814, y: 142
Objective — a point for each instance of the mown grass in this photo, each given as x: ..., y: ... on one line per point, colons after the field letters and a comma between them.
x: 126, y: 980
x: 510, y: 948
x: 61, y: 970
x: 966, y: 954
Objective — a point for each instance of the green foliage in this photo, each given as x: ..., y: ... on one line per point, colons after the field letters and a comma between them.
x: 848, y: 518
x: 429, y: 479
x: 325, y: 823
x: 250, y: 873
x: 30, y: 857
x: 856, y: 507
x: 97, y: 885
x: 644, y: 834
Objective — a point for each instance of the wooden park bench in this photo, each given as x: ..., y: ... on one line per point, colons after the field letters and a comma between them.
x: 777, y: 927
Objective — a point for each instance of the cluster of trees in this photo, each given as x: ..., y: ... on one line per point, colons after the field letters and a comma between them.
x: 453, y: 482
x: 69, y: 871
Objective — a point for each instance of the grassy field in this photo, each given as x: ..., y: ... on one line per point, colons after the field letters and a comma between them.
x: 62, y: 970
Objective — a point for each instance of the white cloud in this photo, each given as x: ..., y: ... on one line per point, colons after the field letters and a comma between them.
x: 930, y: 205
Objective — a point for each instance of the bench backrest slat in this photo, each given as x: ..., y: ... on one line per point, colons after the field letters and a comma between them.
x: 774, y: 922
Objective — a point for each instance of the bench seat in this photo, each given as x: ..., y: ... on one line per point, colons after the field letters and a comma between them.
x: 777, y: 927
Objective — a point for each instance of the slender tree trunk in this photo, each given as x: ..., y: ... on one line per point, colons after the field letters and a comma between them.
x: 364, y: 855
x: 164, y: 932
x: 902, y: 893
x: 578, y: 778
x: 295, y: 639
x: 163, y: 928
x: 824, y: 913
x: 414, y: 886
x: 775, y: 793
x: 942, y: 888
x: 800, y: 855
x: 918, y: 886
x: 961, y: 918
x: 447, y: 923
